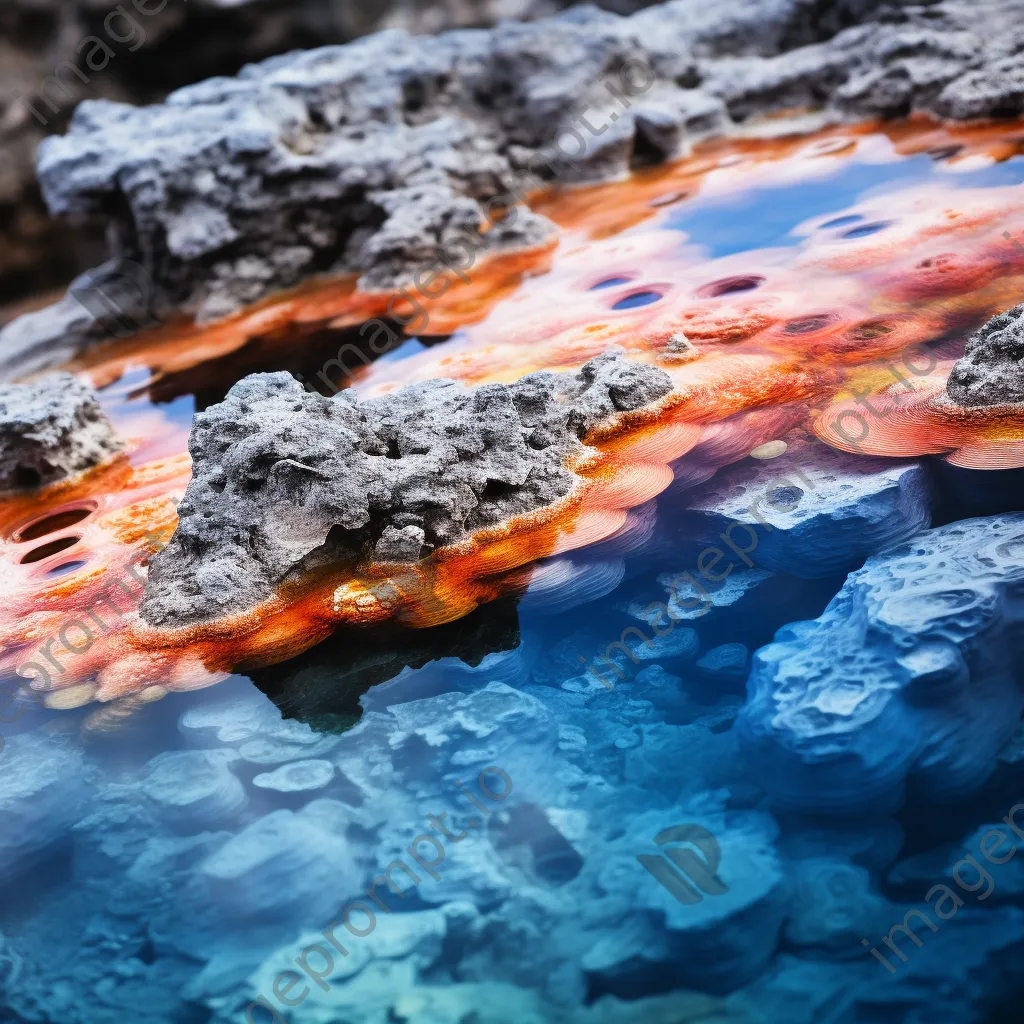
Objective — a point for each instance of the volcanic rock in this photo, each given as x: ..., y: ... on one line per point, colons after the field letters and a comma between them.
x: 991, y: 371
x: 50, y: 430
x: 155, y: 48
x: 361, y: 158
x: 284, y: 480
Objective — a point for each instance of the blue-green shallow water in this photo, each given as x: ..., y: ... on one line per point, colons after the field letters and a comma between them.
x: 574, y: 807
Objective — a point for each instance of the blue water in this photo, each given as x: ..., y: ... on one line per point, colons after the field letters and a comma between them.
x: 765, y: 217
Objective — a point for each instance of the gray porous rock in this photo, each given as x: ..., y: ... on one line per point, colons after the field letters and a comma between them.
x: 364, y: 157
x: 991, y: 370
x: 45, y: 337
x: 154, y: 47
x: 285, y: 480
x: 49, y: 430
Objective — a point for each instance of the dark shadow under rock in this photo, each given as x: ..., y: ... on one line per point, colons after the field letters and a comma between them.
x: 322, y: 686
x: 966, y: 493
x: 327, y: 361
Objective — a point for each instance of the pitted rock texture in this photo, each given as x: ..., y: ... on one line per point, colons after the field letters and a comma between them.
x: 361, y: 158
x: 991, y: 371
x: 908, y: 677
x: 49, y: 430
x: 284, y: 480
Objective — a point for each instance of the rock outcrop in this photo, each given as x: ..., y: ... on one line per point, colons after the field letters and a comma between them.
x: 364, y: 158
x: 152, y: 49
x: 909, y: 676
x: 991, y: 371
x: 284, y: 480
x: 49, y: 430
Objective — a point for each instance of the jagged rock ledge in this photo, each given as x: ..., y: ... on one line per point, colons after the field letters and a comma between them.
x: 362, y: 158
x: 286, y: 481
x: 176, y: 42
x: 49, y: 430
x: 991, y: 371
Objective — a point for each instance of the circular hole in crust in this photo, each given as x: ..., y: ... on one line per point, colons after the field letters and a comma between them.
x: 870, y: 329
x: 828, y: 147
x: 50, y: 548
x: 668, y: 198
x: 863, y: 230
x: 638, y: 299
x: 809, y: 324
x: 53, y: 522
x: 66, y: 568
x: 609, y: 282
x: 842, y: 222
x: 730, y: 286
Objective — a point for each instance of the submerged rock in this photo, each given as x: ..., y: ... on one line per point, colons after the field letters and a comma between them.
x: 284, y: 480
x: 283, y: 862
x: 810, y: 512
x: 194, y: 786
x: 834, y: 903
x: 909, y: 676
x: 49, y: 430
x: 991, y: 371
x: 365, y: 158
x: 297, y: 777
x: 44, y: 790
